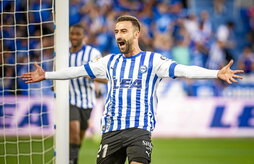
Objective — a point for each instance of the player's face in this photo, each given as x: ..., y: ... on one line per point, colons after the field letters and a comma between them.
x: 124, y: 34
x: 76, y: 36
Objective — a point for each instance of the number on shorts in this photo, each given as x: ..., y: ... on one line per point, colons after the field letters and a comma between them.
x: 104, y: 149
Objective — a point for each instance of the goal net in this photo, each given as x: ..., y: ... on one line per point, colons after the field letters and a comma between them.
x: 26, y: 110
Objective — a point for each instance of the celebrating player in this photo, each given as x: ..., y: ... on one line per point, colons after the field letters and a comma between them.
x: 130, y: 107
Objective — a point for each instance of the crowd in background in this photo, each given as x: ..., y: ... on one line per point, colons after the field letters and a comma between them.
x: 27, y: 36
x: 169, y: 27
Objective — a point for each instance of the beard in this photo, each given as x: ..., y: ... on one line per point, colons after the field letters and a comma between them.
x: 126, y: 48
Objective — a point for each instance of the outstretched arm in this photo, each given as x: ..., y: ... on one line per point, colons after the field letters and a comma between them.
x: 196, y: 72
x: 39, y: 74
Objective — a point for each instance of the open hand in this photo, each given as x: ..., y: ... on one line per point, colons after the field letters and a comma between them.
x: 229, y: 75
x: 36, y: 76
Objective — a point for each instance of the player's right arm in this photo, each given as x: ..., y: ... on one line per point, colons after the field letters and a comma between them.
x: 92, y: 70
x: 39, y: 74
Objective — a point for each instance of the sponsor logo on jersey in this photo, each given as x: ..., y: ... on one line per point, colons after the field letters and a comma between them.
x: 127, y: 83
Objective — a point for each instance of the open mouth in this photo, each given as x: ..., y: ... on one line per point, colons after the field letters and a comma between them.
x: 121, y: 43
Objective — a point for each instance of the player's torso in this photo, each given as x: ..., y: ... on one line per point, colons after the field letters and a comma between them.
x: 132, y: 82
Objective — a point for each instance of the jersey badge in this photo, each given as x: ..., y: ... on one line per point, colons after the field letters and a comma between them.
x: 143, y: 69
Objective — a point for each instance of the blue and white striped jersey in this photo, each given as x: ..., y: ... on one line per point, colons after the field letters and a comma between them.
x: 132, y: 82
x: 82, y: 90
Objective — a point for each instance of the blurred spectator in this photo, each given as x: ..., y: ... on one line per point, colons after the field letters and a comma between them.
x: 191, y: 25
x: 246, y: 61
x: 162, y: 20
x: 201, y: 38
x: 219, y: 6
x: 145, y: 17
x: 225, y: 35
x: 216, y: 57
x: 206, y: 23
x: 128, y: 5
x: 162, y: 43
x: 177, y: 10
x: 75, y: 15
x: 251, y: 24
x: 181, y: 52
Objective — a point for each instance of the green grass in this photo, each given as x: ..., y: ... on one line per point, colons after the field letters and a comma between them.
x: 189, y: 151
x: 165, y: 151
x: 31, y: 151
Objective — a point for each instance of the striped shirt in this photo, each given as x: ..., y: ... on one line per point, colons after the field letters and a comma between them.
x: 132, y: 81
x: 82, y: 90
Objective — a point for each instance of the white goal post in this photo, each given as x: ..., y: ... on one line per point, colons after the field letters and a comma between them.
x: 62, y: 87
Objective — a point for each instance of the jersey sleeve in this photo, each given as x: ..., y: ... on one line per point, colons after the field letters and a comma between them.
x: 165, y: 67
x: 95, y: 54
x: 195, y: 72
x: 97, y: 68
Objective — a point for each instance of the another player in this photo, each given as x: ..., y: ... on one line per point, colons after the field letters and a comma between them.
x: 130, y: 107
x: 82, y: 90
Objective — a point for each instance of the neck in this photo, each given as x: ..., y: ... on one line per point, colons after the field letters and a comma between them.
x: 75, y: 49
x: 133, y: 52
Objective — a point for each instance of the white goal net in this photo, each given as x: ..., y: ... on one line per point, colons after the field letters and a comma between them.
x: 26, y: 110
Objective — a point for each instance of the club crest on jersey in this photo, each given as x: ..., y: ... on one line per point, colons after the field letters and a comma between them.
x: 143, y: 69
x: 164, y: 58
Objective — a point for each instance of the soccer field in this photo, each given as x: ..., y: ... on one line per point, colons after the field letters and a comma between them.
x: 165, y: 151
x: 23, y: 150
x: 189, y: 151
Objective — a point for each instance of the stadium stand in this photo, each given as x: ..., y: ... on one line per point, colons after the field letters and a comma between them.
x: 190, y: 33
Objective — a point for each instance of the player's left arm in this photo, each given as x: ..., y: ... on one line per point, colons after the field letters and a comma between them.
x: 168, y: 68
x: 195, y: 72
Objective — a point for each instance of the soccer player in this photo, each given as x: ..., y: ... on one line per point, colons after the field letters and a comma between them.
x: 82, y: 90
x: 130, y: 107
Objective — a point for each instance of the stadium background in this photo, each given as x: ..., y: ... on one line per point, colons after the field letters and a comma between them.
x: 194, y: 32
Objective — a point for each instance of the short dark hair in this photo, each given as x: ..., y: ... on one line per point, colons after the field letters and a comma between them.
x: 135, y: 22
x: 78, y: 26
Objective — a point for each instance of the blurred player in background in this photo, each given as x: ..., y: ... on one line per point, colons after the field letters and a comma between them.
x: 130, y: 107
x: 82, y: 90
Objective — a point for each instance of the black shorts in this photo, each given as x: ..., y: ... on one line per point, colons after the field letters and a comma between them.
x: 81, y: 115
x: 133, y: 143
